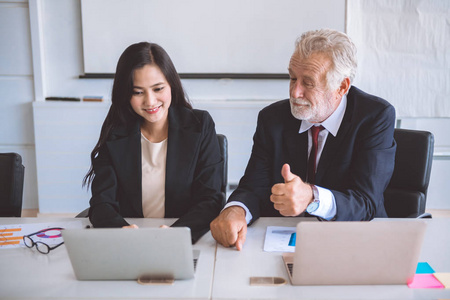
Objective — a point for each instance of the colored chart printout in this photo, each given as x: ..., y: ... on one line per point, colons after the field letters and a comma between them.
x: 11, y: 236
x: 280, y: 239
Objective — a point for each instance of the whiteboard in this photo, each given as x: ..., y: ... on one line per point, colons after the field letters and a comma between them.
x: 205, y: 36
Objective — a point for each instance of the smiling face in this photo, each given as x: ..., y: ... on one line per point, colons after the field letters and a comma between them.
x: 310, y: 97
x: 151, y: 96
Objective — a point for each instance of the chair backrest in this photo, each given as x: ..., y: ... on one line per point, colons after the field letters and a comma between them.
x: 223, y: 145
x: 406, y: 193
x: 11, y: 184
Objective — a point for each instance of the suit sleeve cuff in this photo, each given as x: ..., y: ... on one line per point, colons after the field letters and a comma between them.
x: 327, y: 205
x: 248, y: 215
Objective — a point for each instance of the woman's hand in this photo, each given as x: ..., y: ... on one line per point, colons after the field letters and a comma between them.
x: 131, y: 226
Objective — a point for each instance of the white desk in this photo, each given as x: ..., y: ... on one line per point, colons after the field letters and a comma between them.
x: 233, y: 269
x: 27, y: 274
x: 225, y: 274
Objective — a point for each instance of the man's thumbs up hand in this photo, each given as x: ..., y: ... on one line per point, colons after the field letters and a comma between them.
x: 291, y: 197
x: 286, y: 173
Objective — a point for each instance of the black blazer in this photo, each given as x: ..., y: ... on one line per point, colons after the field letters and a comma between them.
x: 356, y: 165
x: 194, y: 169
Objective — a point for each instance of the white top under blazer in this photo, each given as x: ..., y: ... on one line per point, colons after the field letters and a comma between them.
x: 153, y: 177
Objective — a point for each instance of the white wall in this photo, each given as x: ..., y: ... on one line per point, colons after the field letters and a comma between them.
x: 16, y: 92
x: 61, y: 126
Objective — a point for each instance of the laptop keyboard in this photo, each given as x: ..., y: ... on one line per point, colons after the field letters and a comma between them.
x: 290, y: 267
x: 196, y: 255
x: 195, y: 263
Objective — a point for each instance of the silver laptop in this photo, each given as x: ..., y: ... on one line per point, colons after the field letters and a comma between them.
x: 130, y: 254
x: 354, y: 253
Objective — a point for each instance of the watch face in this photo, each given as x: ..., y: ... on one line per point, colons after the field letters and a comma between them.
x: 312, y: 207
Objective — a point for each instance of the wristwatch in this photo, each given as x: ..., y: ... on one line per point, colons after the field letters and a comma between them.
x: 314, y: 205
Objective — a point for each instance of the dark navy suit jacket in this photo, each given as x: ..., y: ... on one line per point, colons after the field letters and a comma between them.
x: 356, y: 165
x: 194, y: 169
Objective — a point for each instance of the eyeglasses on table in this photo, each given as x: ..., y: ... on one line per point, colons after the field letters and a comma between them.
x: 41, y: 246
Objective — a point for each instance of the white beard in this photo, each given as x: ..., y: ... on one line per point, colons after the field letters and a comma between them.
x: 303, y: 112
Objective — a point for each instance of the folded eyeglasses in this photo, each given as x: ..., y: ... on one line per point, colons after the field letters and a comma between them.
x: 41, y: 246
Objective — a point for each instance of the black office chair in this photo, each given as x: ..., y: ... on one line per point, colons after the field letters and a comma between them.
x: 406, y: 194
x: 223, y: 145
x: 11, y: 184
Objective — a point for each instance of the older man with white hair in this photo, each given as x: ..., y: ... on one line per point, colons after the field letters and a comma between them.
x: 327, y: 152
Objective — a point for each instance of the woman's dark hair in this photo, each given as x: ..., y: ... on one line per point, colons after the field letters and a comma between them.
x: 121, y: 113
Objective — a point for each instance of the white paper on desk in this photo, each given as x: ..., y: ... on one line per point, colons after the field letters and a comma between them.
x: 11, y: 236
x: 277, y: 239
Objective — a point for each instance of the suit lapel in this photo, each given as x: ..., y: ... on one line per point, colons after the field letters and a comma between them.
x: 333, y: 144
x: 125, y: 151
x: 296, y: 145
x: 297, y: 150
x: 183, y: 141
x: 330, y: 150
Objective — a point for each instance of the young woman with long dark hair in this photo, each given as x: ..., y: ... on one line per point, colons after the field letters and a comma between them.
x: 156, y: 155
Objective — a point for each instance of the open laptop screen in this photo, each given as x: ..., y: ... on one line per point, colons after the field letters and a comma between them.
x: 377, y: 252
x: 128, y: 254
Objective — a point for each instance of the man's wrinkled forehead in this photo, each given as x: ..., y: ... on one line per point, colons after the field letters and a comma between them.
x: 316, y: 63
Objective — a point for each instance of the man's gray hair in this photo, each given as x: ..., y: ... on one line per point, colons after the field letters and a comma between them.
x: 337, y: 46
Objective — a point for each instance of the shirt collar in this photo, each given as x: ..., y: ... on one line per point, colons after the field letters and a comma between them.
x: 332, y: 123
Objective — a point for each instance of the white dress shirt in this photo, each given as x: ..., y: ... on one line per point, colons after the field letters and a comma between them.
x: 327, y: 205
